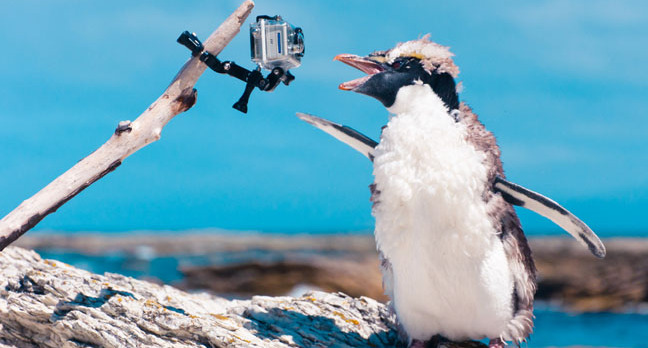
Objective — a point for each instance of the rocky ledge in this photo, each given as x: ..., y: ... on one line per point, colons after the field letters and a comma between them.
x: 46, y: 303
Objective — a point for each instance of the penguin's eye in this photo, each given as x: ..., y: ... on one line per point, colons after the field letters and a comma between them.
x: 401, y: 64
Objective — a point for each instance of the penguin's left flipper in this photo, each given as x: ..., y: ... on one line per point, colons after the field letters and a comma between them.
x: 347, y: 135
x: 521, y: 196
x: 512, y: 193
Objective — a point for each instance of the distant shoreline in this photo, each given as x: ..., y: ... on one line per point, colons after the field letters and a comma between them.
x: 246, y: 264
x: 208, y: 241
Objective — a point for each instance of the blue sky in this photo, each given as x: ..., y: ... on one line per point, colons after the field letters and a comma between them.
x: 562, y: 84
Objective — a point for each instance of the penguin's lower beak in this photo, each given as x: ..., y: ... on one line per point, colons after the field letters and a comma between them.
x: 366, y: 65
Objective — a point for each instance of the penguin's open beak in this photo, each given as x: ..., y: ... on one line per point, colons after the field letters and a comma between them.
x: 364, y: 64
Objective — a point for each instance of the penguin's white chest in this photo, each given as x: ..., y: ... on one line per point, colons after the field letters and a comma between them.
x: 450, y: 273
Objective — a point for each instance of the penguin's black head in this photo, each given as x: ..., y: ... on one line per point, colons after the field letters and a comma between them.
x: 409, y: 63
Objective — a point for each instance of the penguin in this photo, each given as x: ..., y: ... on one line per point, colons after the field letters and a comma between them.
x: 456, y: 264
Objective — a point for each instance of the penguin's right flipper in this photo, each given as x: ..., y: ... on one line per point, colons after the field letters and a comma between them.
x: 521, y: 196
x: 347, y: 135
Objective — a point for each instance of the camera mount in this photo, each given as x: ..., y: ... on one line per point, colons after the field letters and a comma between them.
x: 252, y: 78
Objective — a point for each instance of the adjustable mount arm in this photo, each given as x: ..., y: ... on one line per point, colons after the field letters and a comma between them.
x: 252, y: 78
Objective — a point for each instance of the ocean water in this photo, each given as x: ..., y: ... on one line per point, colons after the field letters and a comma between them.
x: 553, y: 327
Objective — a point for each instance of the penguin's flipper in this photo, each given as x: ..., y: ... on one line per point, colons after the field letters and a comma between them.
x: 521, y: 196
x: 347, y: 135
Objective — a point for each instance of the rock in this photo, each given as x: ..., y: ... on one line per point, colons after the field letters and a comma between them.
x: 573, y: 278
x: 47, y: 303
x: 353, y: 276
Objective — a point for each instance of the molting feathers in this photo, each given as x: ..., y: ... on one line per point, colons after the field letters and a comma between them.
x: 432, y: 55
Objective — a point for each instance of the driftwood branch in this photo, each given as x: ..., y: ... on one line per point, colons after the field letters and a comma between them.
x: 129, y: 137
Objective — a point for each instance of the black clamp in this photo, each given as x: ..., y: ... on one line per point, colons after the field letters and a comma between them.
x: 252, y: 78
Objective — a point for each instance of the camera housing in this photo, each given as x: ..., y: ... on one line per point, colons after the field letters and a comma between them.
x: 275, y: 43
